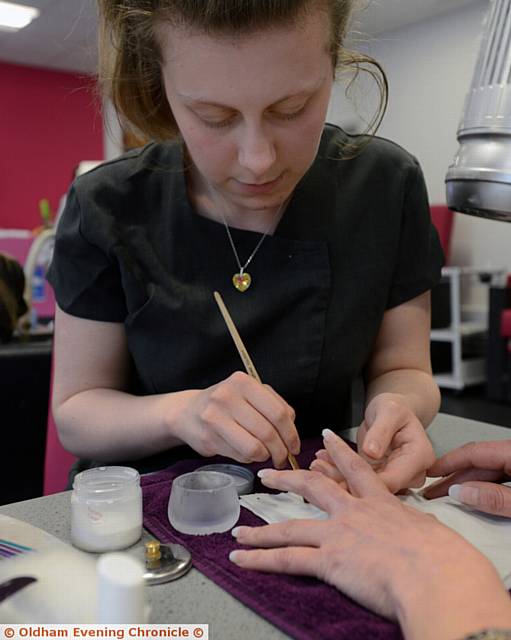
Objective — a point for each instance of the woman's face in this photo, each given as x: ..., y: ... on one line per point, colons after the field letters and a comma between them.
x: 250, y: 110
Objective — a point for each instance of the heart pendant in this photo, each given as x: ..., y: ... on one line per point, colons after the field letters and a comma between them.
x: 241, y: 281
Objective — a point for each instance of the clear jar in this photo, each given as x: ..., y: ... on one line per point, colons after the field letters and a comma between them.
x: 106, y: 509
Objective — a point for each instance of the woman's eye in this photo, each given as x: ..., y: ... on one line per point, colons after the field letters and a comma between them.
x: 290, y: 115
x: 218, y: 124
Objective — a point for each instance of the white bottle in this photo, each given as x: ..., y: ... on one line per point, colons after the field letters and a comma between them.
x: 121, y: 590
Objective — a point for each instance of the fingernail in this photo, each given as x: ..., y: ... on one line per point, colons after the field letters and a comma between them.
x: 262, y: 473
x: 454, y: 492
x: 465, y: 495
x: 235, y: 531
x: 328, y: 434
x: 234, y: 556
x: 295, y: 449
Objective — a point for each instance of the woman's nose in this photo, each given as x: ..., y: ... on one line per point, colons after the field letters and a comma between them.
x: 256, y: 154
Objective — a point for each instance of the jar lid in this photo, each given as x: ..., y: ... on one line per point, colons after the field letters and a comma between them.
x: 164, y: 562
x: 243, y: 477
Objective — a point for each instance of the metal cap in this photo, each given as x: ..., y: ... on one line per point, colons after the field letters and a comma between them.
x: 164, y: 562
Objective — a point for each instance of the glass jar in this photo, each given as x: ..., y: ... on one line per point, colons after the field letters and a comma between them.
x: 106, y: 509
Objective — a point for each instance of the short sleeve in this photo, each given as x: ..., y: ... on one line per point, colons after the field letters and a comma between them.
x: 420, y: 257
x: 85, y: 276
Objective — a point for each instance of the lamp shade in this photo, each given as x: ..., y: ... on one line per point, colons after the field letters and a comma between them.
x: 479, y: 180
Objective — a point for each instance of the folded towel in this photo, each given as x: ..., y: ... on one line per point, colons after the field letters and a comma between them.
x: 304, y: 608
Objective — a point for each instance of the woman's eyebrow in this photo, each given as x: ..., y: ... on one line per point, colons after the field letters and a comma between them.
x: 202, y: 101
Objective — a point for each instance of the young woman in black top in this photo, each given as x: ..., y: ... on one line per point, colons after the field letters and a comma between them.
x: 320, y: 243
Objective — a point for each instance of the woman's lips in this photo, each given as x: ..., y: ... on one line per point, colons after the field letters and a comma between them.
x: 264, y: 187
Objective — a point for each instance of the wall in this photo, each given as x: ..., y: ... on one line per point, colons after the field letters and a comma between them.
x: 49, y: 122
x: 429, y: 67
x: 112, y: 139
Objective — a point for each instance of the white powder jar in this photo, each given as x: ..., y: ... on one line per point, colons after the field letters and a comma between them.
x: 106, y: 509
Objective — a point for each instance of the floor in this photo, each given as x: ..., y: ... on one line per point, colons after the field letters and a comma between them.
x: 472, y: 403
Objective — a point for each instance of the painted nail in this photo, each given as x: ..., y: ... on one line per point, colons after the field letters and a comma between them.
x: 465, y: 495
x: 328, y: 434
x: 454, y: 492
x: 235, y: 532
x: 262, y: 473
x: 235, y: 555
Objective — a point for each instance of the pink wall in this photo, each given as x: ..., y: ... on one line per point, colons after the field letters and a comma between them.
x: 49, y: 122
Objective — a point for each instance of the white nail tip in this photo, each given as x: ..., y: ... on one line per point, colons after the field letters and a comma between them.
x: 454, y: 492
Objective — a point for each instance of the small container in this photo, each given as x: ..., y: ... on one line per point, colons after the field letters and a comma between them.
x: 106, y: 509
x: 203, y: 502
x: 243, y: 477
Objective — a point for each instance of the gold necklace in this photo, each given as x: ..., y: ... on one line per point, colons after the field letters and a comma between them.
x: 242, y: 279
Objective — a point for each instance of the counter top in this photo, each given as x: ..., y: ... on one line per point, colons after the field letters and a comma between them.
x: 194, y: 599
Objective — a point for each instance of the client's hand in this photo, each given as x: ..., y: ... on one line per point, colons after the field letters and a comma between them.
x: 389, y: 557
x: 241, y: 419
x: 392, y: 439
x: 472, y: 471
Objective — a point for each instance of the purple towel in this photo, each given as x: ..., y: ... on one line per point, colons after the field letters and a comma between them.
x: 304, y: 608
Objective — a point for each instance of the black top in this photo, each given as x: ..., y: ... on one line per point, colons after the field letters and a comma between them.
x: 356, y: 239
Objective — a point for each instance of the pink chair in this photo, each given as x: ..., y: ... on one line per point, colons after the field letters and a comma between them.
x: 57, y: 461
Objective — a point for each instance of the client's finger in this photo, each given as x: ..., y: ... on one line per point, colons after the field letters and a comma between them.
x: 301, y: 561
x: 441, y: 487
x: 481, y: 455
x: 359, y: 475
x: 315, y: 487
x: 484, y: 496
x: 327, y: 470
x: 302, y: 533
x: 322, y: 454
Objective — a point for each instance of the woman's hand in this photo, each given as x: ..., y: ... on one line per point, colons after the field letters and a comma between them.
x: 392, y: 439
x: 241, y: 419
x: 472, y: 471
x: 387, y: 556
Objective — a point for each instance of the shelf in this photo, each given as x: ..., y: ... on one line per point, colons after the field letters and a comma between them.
x: 465, y: 329
x: 465, y: 371
x: 471, y: 372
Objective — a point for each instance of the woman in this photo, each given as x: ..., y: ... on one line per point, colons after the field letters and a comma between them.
x: 391, y: 558
x: 320, y: 243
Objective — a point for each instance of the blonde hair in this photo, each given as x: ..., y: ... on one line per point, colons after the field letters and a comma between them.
x: 130, y: 57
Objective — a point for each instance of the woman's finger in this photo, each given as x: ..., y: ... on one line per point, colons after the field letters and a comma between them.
x: 301, y: 561
x: 258, y: 426
x: 484, y: 496
x: 244, y: 446
x: 441, y: 487
x: 403, y: 464
x: 291, y: 533
x: 282, y: 417
x: 359, y: 475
